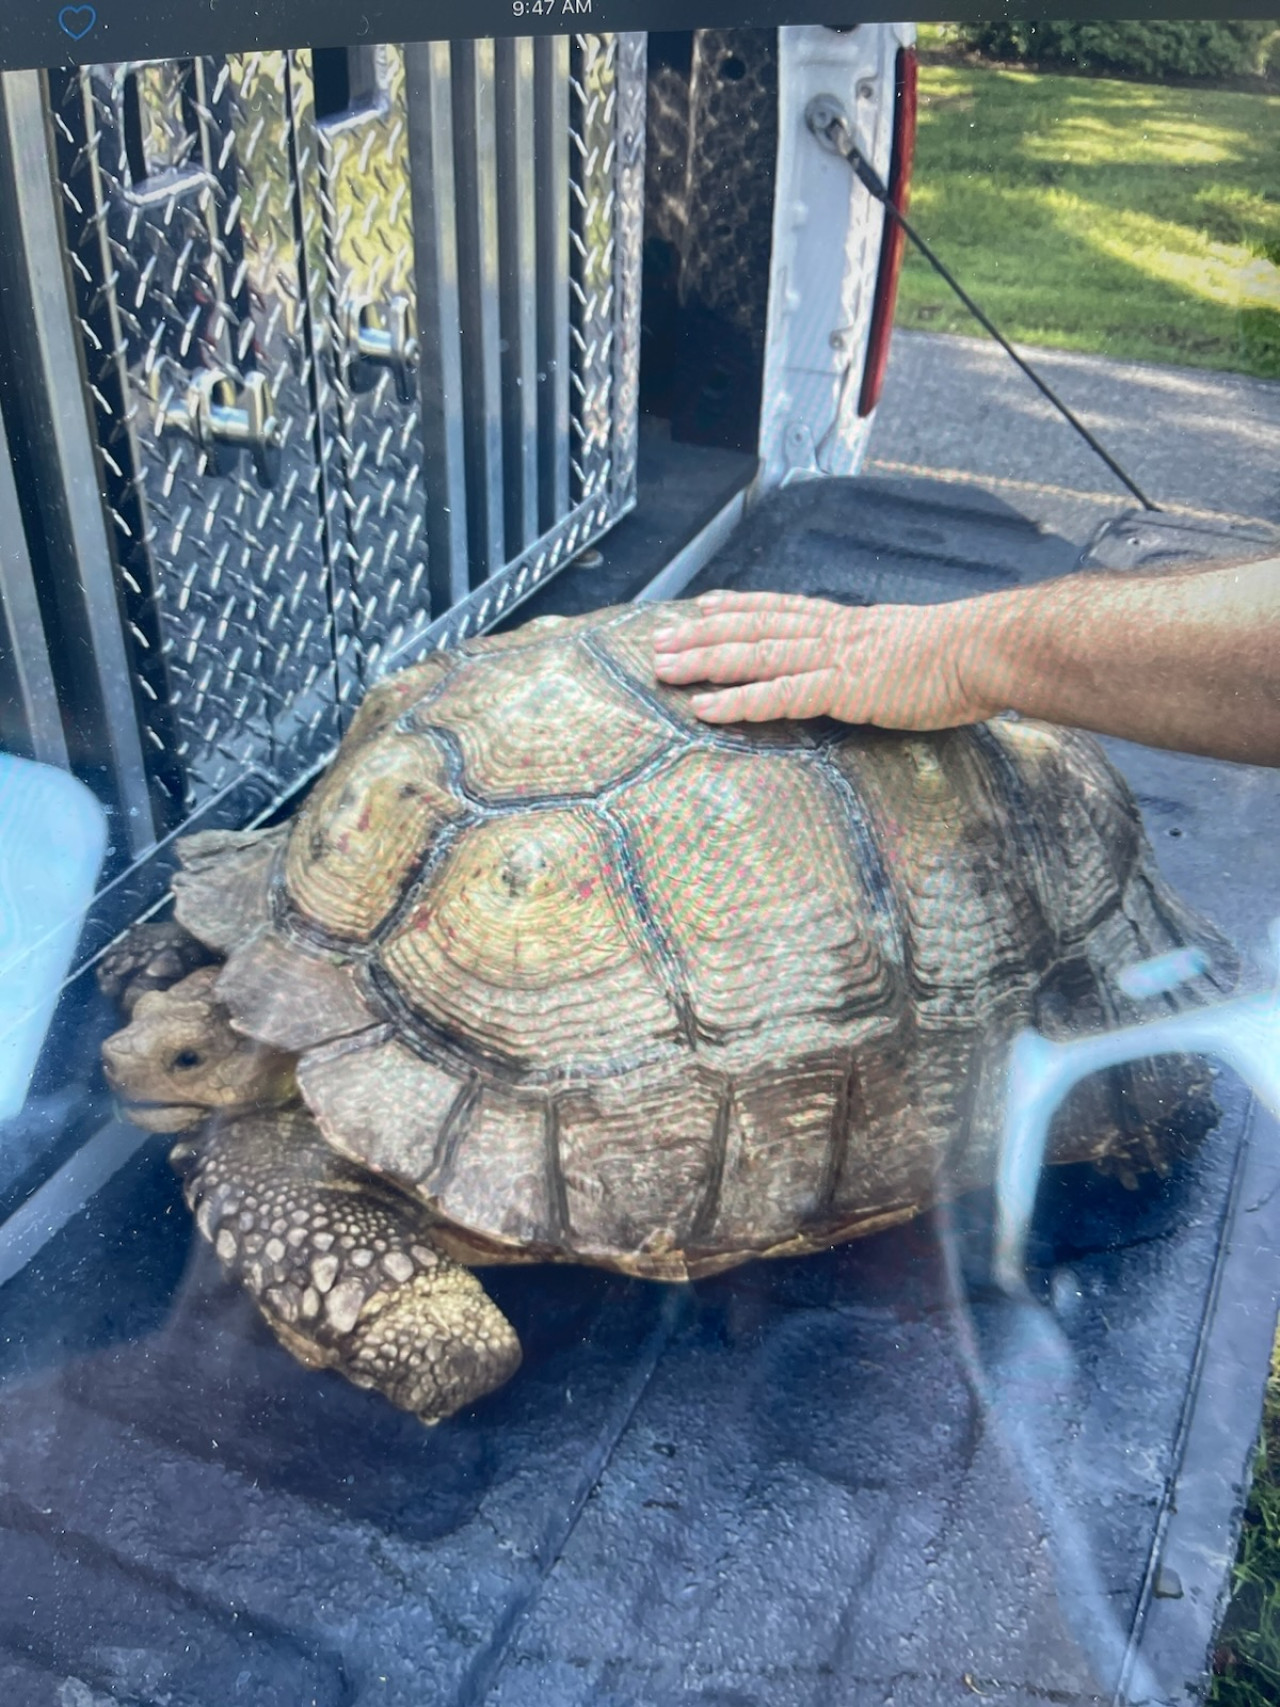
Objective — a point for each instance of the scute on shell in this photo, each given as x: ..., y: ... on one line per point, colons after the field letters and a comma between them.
x: 525, y: 944
x: 546, y: 693
x: 364, y: 829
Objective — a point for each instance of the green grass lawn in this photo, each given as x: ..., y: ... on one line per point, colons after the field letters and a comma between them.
x: 1247, y: 1660
x: 1127, y: 219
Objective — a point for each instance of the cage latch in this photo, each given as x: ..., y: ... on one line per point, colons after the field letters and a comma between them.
x: 225, y: 417
x: 382, y: 340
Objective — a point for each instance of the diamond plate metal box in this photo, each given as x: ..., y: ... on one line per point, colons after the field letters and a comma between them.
x: 359, y: 330
x: 182, y: 230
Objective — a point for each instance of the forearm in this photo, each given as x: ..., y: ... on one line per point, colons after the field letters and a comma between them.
x: 1183, y: 660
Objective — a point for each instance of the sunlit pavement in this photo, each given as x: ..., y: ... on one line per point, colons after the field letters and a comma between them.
x: 1191, y: 438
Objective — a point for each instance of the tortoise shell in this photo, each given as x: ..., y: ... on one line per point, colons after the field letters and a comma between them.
x: 600, y: 982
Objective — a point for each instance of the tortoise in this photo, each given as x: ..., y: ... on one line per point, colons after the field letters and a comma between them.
x: 546, y: 970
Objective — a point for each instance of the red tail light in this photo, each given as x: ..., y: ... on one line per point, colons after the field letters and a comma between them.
x: 904, y: 147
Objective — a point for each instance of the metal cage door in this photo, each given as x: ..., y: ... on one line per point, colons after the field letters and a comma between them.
x: 473, y: 233
x: 180, y: 192
x: 361, y: 333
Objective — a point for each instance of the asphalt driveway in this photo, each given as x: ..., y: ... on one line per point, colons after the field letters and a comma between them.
x: 1197, y: 441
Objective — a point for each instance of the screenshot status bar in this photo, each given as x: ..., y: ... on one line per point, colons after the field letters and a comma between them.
x: 35, y: 33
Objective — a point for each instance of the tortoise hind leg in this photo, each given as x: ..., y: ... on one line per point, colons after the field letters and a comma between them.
x: 343, y: 1267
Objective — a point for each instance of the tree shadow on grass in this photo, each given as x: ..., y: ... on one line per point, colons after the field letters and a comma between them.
x: 1172, y: 179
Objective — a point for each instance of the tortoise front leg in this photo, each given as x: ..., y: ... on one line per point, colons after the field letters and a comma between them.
x: 343, y: 1266
x: 151, y: 956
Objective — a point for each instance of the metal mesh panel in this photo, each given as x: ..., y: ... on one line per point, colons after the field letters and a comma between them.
x: 724, y: 241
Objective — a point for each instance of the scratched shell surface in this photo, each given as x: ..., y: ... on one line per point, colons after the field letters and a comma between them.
x: 602, y: 983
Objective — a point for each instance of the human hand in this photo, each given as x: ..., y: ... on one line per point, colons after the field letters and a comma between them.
x: 898, y: 666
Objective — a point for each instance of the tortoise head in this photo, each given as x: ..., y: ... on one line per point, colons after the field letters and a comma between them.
x: 179, y: 1060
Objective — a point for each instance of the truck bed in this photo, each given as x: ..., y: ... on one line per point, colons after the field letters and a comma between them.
x: 856, y: 1478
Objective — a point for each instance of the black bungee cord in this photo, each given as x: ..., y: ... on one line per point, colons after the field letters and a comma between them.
x: 826, y: 118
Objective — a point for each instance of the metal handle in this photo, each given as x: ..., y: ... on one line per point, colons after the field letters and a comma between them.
x: 380, y: 339
x: 224, y: 417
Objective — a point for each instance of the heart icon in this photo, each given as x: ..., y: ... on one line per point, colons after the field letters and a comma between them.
x: 77, y: 21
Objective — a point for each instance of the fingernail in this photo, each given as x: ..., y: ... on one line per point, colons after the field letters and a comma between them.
x: 700, y: 701
x: 662, y: 635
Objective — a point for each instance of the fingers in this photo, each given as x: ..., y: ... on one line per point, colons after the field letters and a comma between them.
x: 897, y: 666
x: 725, y: 599
x: 778, y: 649
x: 737, y: 661
x: 744, y: 625
x: 808, y: 695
